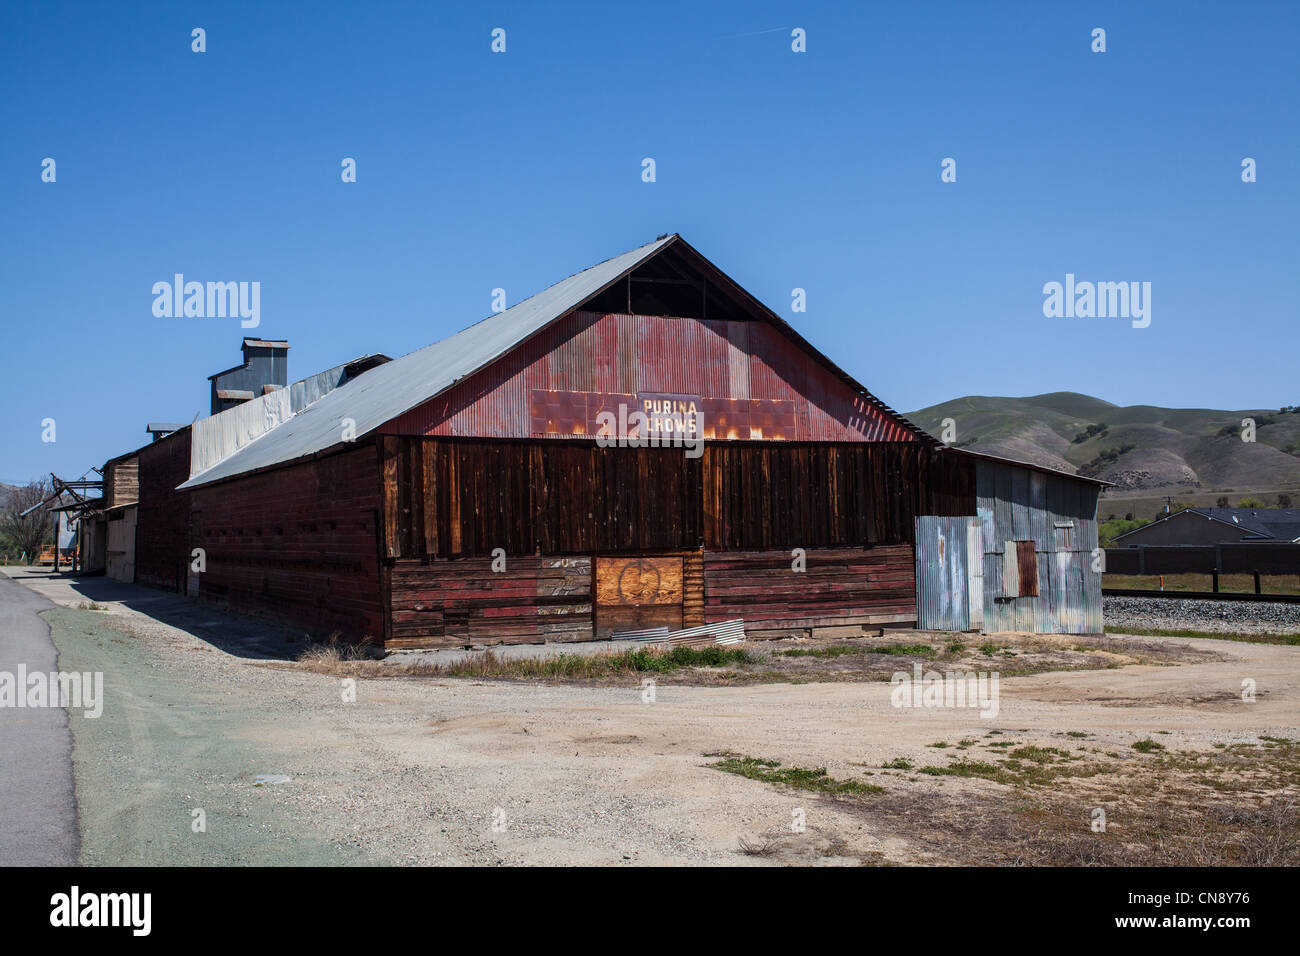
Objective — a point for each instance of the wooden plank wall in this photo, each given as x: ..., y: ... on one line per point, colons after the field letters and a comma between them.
x: 162, y: 535
x: 122, y: 482
x: 454, y: 603
x: 448, y: 503
x: 465, y: 497
x: 839, y: 586
x: 693, y: 589
x: 298, y: 543
x: 820, y: 495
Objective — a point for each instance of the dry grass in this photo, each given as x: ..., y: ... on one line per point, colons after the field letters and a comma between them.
x: 795, y: 662
x: 756, y: 847
x: 333, y: 655
x: 1034, y: 806
x: 346, y: 660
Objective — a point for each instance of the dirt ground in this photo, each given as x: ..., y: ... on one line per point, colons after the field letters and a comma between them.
x: 429, y: 770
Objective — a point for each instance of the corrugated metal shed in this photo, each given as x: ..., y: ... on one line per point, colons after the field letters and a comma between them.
x: 1057, y: 515
x: 1023, y: 563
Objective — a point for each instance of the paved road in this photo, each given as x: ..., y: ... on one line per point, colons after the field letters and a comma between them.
x: 38, y: 808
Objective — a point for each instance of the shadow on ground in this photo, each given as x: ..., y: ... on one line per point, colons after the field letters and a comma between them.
x: 240, y: 635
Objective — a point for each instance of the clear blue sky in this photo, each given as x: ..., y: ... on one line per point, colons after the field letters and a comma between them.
x: 476, y: 170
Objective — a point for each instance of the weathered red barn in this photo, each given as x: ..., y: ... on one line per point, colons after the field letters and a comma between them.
x: 459, y: 494
x: 162, y: 531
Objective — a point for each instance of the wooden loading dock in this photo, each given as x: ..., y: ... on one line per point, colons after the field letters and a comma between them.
x: 472, y: 503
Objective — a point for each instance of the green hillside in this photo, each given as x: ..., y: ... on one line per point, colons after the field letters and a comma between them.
x: 1145, y: 450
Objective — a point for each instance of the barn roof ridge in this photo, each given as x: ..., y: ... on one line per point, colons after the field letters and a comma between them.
x: 385, y: 392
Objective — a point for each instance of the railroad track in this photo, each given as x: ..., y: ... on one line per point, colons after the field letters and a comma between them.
x: 1202, y: 595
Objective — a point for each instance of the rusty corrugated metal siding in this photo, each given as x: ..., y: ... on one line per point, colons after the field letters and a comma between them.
x: 752, y: 369
x: 942, y: 576
x: 1055, y: 516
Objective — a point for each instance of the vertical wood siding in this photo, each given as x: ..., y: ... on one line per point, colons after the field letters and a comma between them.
x: 463, y: 498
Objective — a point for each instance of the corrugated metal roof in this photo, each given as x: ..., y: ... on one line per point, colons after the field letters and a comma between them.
x: 397, y: 386
x: 997, y: 459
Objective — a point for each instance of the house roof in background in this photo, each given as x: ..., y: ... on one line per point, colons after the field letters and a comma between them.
x: 1270, y: 524
x: 1282, y: 524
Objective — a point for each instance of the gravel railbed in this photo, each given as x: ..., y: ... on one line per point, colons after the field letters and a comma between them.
x: 1251, y: 617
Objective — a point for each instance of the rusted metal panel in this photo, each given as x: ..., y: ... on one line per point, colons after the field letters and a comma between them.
x: 942, y: 578
x: 740, y: 370
x: 1051, y: 588
x: 1027, y: 560
x: 737, y: 336
x: 628, y: 354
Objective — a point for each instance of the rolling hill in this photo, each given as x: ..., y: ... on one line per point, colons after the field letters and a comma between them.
x: 1144, y: 450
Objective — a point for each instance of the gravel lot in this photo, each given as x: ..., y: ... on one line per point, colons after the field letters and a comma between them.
x: 1249, y: 617
x: 417, y: 770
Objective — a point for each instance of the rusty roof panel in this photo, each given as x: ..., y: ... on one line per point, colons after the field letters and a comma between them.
x: 724, y: 363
